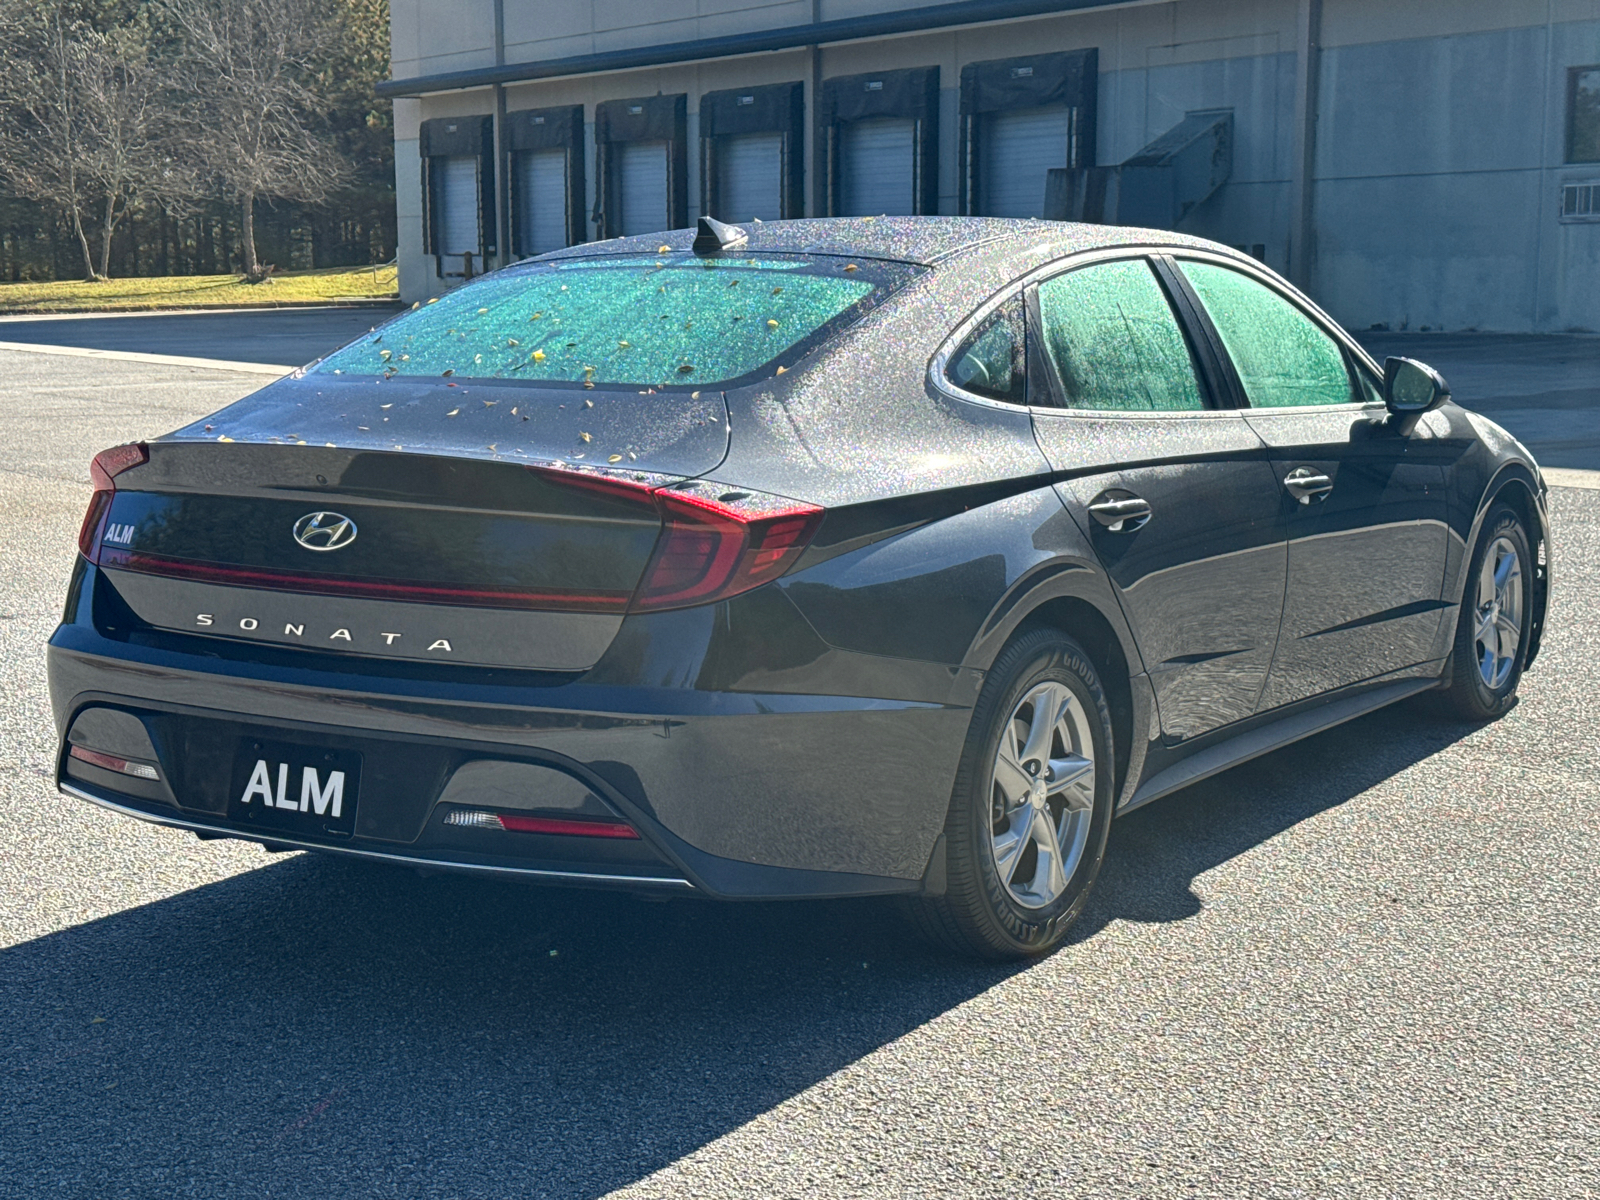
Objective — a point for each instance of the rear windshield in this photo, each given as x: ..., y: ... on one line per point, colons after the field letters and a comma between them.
x: 668, y: 320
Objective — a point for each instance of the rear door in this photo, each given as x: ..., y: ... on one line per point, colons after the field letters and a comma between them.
x: 641, y: 183
x: 750, y: 177
x: 878, y: 167
x: 1366, y: 507
x: 1019, y: 146
x: 1173, y: 489
x: 542, y: 193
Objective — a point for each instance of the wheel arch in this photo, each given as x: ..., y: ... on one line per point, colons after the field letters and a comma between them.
x: 1088, y: 626
x: 1520, y: 488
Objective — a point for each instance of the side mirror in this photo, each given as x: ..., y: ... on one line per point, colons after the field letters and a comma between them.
x: 1411, y: 388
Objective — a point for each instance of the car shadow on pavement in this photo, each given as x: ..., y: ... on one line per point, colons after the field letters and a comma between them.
x: 1157, y: 851
x: 323, y: 1028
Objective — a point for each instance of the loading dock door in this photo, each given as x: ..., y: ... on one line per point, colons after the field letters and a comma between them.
x: 750, y: 177
x: 877, y: 165
x: 542, y: 180
x: 642, y: 187
x: 1018, y: 147
x: 458, y: 200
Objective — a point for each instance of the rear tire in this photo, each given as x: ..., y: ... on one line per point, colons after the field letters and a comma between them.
x: 1494, y: 621
x: 1026, y: 830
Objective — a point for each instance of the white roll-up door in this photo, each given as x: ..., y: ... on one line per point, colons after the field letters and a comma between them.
x: 877, y: 167
x: 641, y: 180
x: 542, y: 194
x: 750, y: 177
x: 1017, y: 148
x: 458, y: 203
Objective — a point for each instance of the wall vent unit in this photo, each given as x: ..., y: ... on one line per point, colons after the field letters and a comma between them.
x: 1580, y: 201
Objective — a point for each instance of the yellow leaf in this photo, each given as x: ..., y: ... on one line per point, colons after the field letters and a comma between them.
x: 615, y: 458
x: 481, y: 311
x: 512, y: 342
x: 454, y: 412
x: 435, y: 300
x: 586, y: 437
x: 849, y: 266
x: 664, y: 250
x: 771, y: 324
x: 781, y: 370
x: 224, y: 438
x: 538, y: 356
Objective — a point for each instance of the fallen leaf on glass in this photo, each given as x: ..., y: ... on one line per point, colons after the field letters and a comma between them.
x: 435, y: 300
x: 512, y: 342
x: 448, y: 372
x: 771, y: 324
x: 454, y: 412
x: 685, y: 368
x: 615, y: 458
x: 586, y: 437
x: 481, y: 311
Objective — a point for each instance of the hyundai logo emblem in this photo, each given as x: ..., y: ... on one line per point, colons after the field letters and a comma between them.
x: 324, y: 531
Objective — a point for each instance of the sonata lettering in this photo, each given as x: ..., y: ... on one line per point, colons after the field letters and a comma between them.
x: 297, y: 629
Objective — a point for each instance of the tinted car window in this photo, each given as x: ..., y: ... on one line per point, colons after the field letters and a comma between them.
x: 991, y: 362
x: 639, y: 320
x: 1282, y: 357
x: 1114, y: 342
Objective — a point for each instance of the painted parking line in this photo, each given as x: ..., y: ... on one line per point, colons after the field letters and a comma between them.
x: 162, y: 360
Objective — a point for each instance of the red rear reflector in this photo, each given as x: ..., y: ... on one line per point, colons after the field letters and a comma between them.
x: 110, y: 762
x: 103, y: 471
x: 523, y: 823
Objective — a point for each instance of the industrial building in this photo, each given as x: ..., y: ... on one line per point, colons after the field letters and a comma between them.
x: 1413, y: 166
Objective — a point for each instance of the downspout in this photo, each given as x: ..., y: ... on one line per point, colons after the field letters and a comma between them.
x: 502, y: 180
x: 816, y: 147
x: 1302, y: 227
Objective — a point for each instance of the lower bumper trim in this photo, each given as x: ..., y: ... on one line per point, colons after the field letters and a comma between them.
x: 530, y: 874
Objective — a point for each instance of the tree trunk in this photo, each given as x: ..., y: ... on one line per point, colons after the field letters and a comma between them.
x: 247, y: 232
x: 83, y: 244
x: 105, y: 234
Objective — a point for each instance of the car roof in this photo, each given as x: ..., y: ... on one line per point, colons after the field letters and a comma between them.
x: 923, y: 240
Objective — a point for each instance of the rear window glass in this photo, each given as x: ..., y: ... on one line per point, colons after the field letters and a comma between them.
x: 638, y: 320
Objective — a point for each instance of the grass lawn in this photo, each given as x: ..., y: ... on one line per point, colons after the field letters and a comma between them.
x: 200, y: 291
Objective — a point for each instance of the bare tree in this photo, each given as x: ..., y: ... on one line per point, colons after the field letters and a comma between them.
x: 80, y: 127
x: 42, y: 124
x: 244, y: 70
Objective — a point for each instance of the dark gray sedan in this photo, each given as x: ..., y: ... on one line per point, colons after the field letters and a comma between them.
x: 819, y: 558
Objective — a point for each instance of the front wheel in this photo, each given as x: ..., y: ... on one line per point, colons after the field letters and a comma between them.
x: 1026, y: 831
x: 1495, y: 621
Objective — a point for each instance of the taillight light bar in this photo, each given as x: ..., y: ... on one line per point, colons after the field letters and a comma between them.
x: 525, y: 823
x: 716, y: 540
x: 103, y: 471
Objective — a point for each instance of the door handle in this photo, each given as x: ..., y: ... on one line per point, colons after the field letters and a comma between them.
x: 1122, y: 515
x: 1306, y: 485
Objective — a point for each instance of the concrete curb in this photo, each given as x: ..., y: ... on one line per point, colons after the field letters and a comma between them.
x: 160, y: 360
x: 47, y: 314
x: 1572, y: 478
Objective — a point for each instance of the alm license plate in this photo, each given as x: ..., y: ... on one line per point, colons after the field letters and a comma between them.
x: 295, y: 789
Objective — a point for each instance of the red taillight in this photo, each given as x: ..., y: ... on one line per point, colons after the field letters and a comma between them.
x: 716, y: 541
x: 710, y: 550
x: 103, y: 471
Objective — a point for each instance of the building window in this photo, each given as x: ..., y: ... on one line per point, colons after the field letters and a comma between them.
x: 1583, y: 114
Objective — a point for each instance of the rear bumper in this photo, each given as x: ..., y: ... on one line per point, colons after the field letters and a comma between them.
x: 736, y: 794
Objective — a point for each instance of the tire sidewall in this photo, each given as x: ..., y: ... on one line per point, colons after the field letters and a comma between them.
x: 1493, y: 702
x: 1038, y: 659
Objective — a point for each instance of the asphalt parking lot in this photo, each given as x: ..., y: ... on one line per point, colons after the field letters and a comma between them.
x: 1363, y: 966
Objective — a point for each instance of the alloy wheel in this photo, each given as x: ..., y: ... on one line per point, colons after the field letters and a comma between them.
x: 1042, y: 794
x: 1497, y: 625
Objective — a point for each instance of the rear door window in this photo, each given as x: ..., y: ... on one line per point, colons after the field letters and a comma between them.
x: 1284, y: 359
x: 1113, y: 340
x: 646, y: 321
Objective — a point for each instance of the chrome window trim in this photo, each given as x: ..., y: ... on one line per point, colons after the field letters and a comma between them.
x: 1060, y: 266
x: 1308, y: 308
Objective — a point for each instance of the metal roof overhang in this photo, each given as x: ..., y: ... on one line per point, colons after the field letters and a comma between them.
x: 759, y: 41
